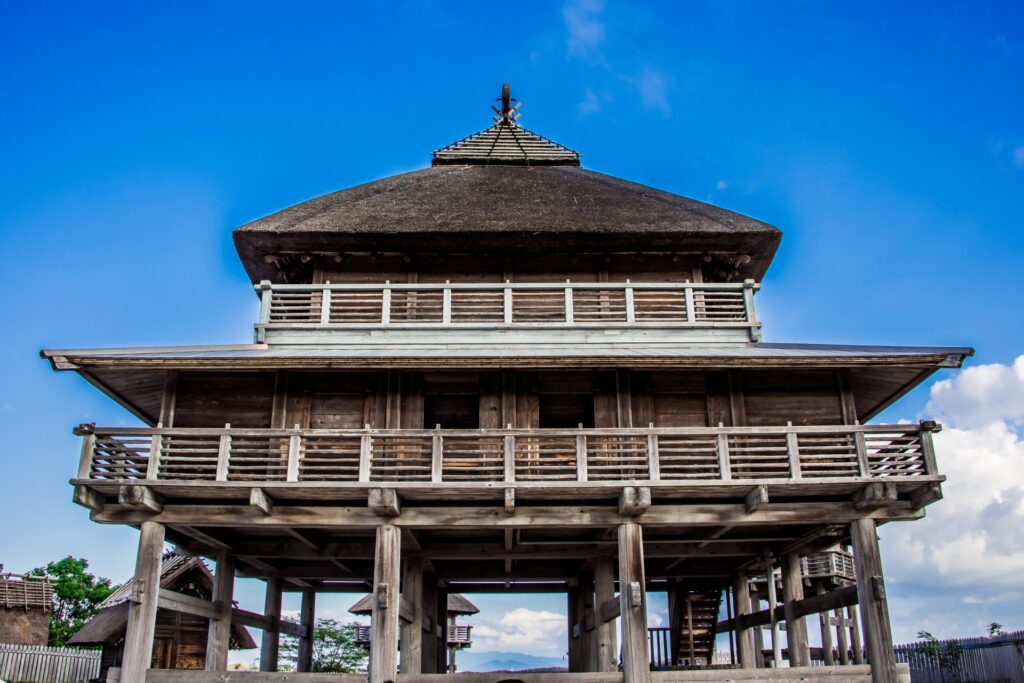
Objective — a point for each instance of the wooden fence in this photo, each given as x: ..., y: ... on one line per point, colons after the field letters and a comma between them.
x: 1000, y: 658
x: 42, y: 664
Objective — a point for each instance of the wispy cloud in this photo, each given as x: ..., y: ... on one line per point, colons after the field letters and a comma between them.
x: 586, y: 29
x: 590, y: 104
x: 653, y: 88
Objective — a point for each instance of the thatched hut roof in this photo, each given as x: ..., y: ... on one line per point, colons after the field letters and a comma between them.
x: 177, y: 572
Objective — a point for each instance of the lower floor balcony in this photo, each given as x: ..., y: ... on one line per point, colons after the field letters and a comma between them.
x: 894, y: 462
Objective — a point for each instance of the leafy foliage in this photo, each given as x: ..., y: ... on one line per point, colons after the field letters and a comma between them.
x: 995, y: 629
x: 334, y: 649
x: 77, y: 596
x: 948, y: 655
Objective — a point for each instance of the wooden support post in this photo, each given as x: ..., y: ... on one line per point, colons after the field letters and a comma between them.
x: 218, y: 637
x: 828, y: 656
x: 855, y: 642
x: 872, y: 601
x: 138, y: 641
x: 676, y: 607
x: 307, y: 618
x: 604, y: 591
x: 633, y: 605
x: 271, y: 640
x: 744, y: 636
x: 575, y: 628
x: 755, y: 606
x: 796, y: 626
x: 773, y: 602
x: 428, y: 639
x: 587, y: 619
x: 842, y: 638
x: 411, y: 653
x: 441, y: 629
x: 384, y: 619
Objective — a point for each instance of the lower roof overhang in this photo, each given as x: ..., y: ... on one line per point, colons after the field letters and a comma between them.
x: 134, y: 377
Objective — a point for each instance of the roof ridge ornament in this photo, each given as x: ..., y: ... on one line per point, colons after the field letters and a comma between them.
x: 506, y: 143
x: 507, y: 115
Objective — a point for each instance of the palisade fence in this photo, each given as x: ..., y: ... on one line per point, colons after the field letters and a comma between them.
x: 999, y: 659
x: 43, y: 664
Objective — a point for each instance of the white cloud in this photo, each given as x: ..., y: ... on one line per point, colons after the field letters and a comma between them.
x: 590, y: 104
x: 980, y: 395
x: 586, y: 30
x: 653, y: 88
x: 536, y: 632
x: 721, y: 185
x: 960, y: 567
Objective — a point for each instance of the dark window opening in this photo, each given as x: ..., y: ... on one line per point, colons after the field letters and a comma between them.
x: 451, y: 411
x: 566, y: 411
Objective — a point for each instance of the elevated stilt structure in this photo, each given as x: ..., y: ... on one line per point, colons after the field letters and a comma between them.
x: 506, y: 373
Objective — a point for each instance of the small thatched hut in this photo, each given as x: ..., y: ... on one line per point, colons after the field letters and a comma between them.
x: 180, y: 641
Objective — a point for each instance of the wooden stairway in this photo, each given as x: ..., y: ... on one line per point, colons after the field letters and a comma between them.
x: 694, y: 613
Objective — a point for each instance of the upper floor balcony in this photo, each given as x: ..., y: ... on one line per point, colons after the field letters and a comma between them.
x: 540, y: 464
x: 574, y: 312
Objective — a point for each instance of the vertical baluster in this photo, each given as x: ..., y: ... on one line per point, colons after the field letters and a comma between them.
x: 224, y: 454
x: 653, y: 461
x: 568, y: 304
x: 385, y: 304
x: 510, y: 459
x: 630, y: 304
x: 507, y: 302
x: 863, y: 466
x: 793, y: 453
x: 325, y: 304
x: 750, y: 315
x: 724, y: 468
x: 365, y: 451
x: 436, y: 454
x: 294, y: 446
x: 153, y: 466
x: 581, y: 457
x: 691, y: 308
x: 446, y: 304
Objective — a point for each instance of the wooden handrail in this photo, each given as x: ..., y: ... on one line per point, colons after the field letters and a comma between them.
x: 736, y: 454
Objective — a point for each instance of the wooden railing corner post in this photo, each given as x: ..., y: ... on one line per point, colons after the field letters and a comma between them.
x: 569, y: 316
x: 793, y: 452
x: 581, y: 457
x: 153, y: 466
x: 510, y: 459
x: 724, y: 466
x: 860, y: 443
x: 294, y: 447
x: 446, y: 304
x: 224, y: 454
x: 691, y: 307
x: 325, y: 304
x: 929, y: 427
x: 653, y: 461
x: 436, y: 456
x: 385, y: 304
x: 365, y: 453
x: 506, y: 304
x: 630, y: 303
x: 88, y: 450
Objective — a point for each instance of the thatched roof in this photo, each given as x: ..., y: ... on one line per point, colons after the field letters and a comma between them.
x: 176, y: 572
x: 457, y: 604
x: 487, y: 208
x: 506, y: 143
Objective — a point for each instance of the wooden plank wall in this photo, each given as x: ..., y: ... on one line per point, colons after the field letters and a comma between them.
x: 494, y: 398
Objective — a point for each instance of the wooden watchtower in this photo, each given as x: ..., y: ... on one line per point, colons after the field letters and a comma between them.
x: 505, y: 372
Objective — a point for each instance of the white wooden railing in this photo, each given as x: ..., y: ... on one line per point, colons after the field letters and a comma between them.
x: 507, y: 306
x: 882, y: 452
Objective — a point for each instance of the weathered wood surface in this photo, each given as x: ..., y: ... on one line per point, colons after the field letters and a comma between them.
x: 271, y: 639
x: 386, y: 601
x: 874, y: 606
x: 219, y: 635
x: 138, y: 642
x: 796, y: 626
x: 633, y: 604
x: 42, y: 664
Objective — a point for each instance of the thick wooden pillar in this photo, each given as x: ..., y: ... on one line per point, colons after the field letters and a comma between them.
x: 442, y: 632
x: 138, y: 641
x: 218, y: 637
x: 871, y: 598
x: 386, y: 599
x: 307, y: 617
x: 826, y: 631
x: 586, y: 616
x: 676, y: 615
x: 855, y: 642
x: 755, y: 607
x: 744, y: 636
x: 607, y: 650
x: 271, y: 641
x: 572, y: 607
x: 841, y: 636
x: 633, y: 605
x: 796, y: 627
x: 429, y: 642
x: 411, y: 638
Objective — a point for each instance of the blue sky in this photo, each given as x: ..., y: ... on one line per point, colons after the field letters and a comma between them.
x: 884, y: 138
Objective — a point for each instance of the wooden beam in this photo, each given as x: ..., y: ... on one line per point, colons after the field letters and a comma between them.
x: 188, y: 604
x: 219, y: 635
x: 633, y: 605
x: 841, y: 597
x: 141, y: 498
x: 757, y: 497
x: 634, y: 500
x: 307, y: 619
x: 384, y: 620
x: 875, y: 495
x: 88, y: 498
x: 261, y: 500
x: 141, y: 627
x: 609, y: 609
x: 874, y: 607
x: 796, y: 626
x: 578, y: 516
x: 384, y: 502
x: 411, y: 638
x: 926, y: 495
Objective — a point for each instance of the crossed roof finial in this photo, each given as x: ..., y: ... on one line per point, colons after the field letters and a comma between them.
x: 507, y: 114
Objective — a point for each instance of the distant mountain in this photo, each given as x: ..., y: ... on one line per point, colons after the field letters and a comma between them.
x: 471, y: 660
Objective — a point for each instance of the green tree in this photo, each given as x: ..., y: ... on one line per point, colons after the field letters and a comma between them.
x: 334, y: 649
x: 948, y: 655
x: 77, y: 596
